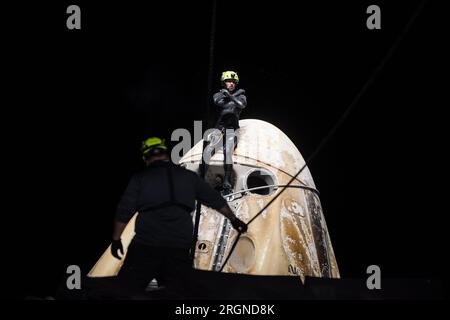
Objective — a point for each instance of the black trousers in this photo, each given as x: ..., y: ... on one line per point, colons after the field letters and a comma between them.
x: 170, y: 267
x: 229, y: 142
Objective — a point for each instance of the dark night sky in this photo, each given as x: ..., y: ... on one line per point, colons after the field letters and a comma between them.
x: 81, y: 102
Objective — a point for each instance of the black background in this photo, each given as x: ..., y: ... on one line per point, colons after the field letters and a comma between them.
x: 79, y: 102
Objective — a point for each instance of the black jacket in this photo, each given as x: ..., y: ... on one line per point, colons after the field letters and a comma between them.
x: 161, y: 222
x: 230, y: 107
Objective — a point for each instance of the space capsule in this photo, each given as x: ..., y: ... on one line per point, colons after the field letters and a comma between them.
x: 289, y: 237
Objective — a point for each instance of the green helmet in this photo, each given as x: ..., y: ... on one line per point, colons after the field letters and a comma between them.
x: 152, y: 146
x: 229, y: 75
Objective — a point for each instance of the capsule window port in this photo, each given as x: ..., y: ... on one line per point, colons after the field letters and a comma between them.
x: 260, y: 178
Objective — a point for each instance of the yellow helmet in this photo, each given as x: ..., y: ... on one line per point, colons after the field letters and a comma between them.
x: 229, y: 75
x: 152, y: 146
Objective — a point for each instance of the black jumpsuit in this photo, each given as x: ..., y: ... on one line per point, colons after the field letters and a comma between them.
x: 230, y: 106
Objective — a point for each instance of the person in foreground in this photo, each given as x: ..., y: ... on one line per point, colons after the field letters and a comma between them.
x: 164, y: 194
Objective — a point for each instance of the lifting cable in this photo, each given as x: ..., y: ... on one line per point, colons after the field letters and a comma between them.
x: 207, y: 123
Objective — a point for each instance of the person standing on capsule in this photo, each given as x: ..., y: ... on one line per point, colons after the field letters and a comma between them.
x: 230, y: 103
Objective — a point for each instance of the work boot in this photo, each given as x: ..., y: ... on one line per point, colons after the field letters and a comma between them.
x: 226, y: 191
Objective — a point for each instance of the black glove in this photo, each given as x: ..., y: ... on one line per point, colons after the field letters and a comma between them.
x: 239, y: 225
x: 225, y: 93
x: 116, y: 246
